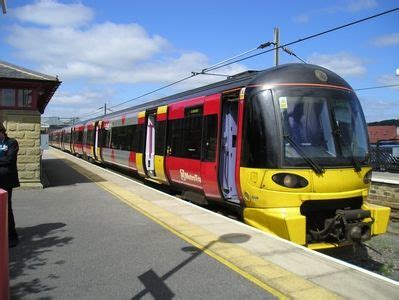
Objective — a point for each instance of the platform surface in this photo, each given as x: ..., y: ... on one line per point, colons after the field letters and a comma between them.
x: 93, y: 234
x: 385, y: 177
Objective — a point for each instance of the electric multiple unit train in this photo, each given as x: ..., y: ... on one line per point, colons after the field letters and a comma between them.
x: 288, y: 147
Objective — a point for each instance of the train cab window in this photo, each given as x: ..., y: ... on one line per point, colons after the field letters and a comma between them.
x: 259, y: 133
x: 209, y: 138
x: 325, y: 125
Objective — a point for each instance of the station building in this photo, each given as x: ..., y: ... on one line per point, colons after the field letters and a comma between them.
x: 383, y: 130
x: 24, y: 95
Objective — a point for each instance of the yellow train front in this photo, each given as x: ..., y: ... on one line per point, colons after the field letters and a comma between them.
x: 304, y: 170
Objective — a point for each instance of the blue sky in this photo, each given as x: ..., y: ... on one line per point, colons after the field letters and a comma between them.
x: 113, y: 51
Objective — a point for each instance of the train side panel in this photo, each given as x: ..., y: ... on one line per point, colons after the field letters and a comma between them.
x: 183, y: 164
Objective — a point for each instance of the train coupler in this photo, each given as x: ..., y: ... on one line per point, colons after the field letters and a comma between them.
x: 346, y: 225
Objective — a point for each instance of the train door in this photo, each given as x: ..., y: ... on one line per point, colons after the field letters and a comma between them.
x: 96, y: 148
x: 228, y: 151
x: 85, y: 142
x: 160, y: 143
x: 140, y: 154
x: 210, y: 146
x: 73, y: 142
x: 150, y: 144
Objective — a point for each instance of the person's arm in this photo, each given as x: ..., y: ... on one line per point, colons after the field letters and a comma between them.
x: 11, y: 155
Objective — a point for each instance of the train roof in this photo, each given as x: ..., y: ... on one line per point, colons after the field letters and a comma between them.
x: 299, y: 73
x: 287, y: 73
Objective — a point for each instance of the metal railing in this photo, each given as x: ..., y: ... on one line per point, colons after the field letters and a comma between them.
x: 384, y: 156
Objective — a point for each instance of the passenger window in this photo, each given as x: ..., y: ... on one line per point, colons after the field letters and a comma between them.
x: 185, y: 135
x: 210, y: 138
x: 175, y: 137
x: 160, y: 137
x: 192, y: 137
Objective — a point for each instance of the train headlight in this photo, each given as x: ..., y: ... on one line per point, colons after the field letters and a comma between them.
x: 290, y: 180
x: 367, y: 177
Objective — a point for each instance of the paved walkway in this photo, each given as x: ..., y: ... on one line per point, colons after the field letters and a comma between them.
x: 94, y: 234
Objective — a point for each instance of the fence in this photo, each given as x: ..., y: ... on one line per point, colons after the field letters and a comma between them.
x: 385, y: 156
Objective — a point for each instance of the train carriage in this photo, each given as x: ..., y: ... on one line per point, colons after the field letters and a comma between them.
x: 287, y: 146
x: 119, y: 140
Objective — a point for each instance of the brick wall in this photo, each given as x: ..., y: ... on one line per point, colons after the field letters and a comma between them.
x: 385, y: 194
x: 24, y: 126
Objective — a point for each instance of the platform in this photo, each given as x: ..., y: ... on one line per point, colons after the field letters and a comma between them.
x: 385, y: 177
x: 95, y: 234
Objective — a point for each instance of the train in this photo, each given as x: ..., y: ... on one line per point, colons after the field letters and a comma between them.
x: 286, y: 147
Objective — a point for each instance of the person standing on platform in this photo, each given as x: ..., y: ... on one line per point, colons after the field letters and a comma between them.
x: 9, y: 177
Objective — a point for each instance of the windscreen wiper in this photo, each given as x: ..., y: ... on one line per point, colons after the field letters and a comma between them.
x: 356, y: 164
x: 314, y: 165
x: 338, y: 134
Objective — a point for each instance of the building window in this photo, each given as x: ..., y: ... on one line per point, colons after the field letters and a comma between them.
x: 16, y: 98
x: 8, y: 97
x: 25, y: 98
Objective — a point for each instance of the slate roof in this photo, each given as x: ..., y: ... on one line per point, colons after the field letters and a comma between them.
x: 11, y: 71
x: 48, y: 84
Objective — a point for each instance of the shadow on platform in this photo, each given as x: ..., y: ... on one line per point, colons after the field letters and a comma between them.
x: 34, y: 241
x: 155, y: 285
x: 52, y: 168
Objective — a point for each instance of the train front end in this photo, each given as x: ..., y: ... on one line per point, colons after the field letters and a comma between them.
x: 304, y: 167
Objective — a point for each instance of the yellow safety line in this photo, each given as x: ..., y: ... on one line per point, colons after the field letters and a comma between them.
x: 303, y: 288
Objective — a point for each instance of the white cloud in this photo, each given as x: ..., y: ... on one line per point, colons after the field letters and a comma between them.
x: 53, y: 13
x: 73, y: 53
x: 345, y: 6
x: 358, y: 5
x: 387, y: 40
x: 72, y: 104
x: 107, y: 52
x: 377, y: 109
x: 343, y: 63
x: 302, y: 18
x: 62, y: 39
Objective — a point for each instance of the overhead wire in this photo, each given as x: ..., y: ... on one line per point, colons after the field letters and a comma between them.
x: 154, y: 91
x: 236, y: 59
x: 193, y: 74
x: 377, y: 87
x: 307, y: 38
